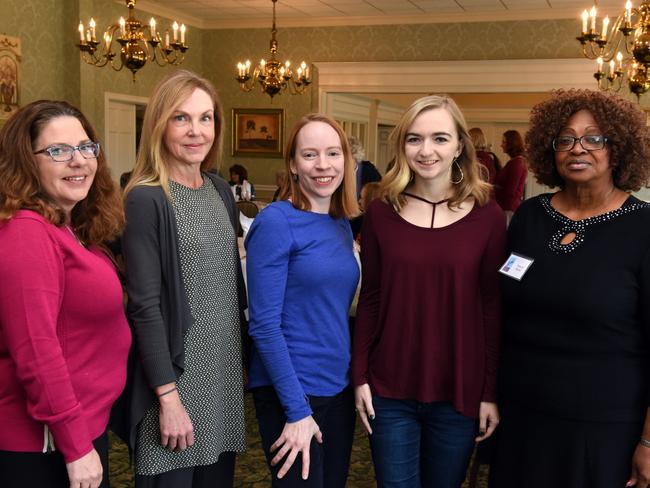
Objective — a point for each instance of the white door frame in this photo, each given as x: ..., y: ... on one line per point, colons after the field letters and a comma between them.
x: 122, y: 98
x: 493, y: 76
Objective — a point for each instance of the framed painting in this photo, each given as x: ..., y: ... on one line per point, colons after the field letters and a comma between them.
x: 10, y: 57
x: 258, y: 132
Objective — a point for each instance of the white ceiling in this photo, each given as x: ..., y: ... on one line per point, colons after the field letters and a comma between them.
x: 215, y: 14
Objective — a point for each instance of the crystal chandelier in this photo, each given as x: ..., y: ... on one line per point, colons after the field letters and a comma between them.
x: 622, y: 50
x: 273, y: 76
x: 138, y: 44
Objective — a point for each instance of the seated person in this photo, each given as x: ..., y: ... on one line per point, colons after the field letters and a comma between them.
x: 242, y: 189
x: 369, y: 192
x: 280, y: 180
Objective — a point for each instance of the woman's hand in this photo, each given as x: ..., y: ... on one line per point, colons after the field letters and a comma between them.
x: 295, y: 439
x: 85, y: 472
x: 363, y: 404
x: 176, y: 430
x: 640, y: 476
x: 488, y: 415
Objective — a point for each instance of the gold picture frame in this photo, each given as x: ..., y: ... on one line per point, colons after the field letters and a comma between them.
x: 10, y: 58
x: 258, y: 132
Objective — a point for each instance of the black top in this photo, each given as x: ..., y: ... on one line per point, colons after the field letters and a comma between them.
x: 575, y: 327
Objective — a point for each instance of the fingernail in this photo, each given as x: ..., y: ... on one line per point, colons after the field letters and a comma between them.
x: 371, y: 417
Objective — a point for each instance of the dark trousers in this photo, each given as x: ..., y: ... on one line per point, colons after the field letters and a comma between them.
x: 44, y: 470
x: 218, y: 475
x: 330, y: 461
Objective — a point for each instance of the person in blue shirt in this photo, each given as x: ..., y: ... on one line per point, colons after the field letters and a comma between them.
x: 302, y: 276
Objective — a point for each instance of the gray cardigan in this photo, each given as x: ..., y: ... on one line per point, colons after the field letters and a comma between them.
x: 158, y: 308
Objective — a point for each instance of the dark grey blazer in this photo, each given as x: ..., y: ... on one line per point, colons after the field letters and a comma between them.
x: 158, y: 308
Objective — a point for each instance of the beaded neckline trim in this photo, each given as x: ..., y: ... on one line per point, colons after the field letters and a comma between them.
x: 578, y: 227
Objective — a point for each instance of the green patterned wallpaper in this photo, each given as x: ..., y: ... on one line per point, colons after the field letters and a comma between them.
x: 40, y: 25
x: 95, y: 81
x: 52, y: 68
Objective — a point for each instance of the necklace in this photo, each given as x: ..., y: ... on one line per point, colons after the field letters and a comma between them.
x: 579, y: 227
x: 433, y: 204
x: 72, y: 233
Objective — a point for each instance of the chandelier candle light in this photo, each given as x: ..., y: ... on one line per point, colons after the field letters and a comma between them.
x: 622, y: 50
x: 273, y: 76
x: 138, y: 44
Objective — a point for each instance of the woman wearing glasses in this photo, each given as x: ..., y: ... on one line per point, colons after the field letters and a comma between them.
x: 186, y: 294
x: 64, y: 339
x: 574, y: 374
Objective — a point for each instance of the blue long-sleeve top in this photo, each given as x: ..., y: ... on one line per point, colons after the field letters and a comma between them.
x: 302, y: 276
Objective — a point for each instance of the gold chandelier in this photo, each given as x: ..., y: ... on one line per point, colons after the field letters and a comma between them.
x: 138, y: 44
x: 622, y: 51
x: 273, y: 76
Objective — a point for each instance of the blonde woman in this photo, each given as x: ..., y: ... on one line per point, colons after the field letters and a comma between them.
x: 427, y: 331
x: 185, y: 294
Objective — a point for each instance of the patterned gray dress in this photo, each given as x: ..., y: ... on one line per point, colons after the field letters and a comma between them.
x: 211, y: 387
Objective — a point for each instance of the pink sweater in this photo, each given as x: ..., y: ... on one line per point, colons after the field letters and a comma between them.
x: 64, y: 339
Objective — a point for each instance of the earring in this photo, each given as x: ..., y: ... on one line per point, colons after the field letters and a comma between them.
x: 451, y: 171
x: 294, y: 176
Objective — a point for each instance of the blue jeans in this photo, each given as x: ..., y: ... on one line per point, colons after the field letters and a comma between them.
x: 417, y: 444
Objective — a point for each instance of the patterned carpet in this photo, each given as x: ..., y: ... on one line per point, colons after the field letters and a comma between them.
x: 251, y: 470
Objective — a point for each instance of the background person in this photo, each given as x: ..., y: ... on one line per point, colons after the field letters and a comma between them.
x: 64, y: 339
x: 186, y: 294
x: 486, y: 157
x: 574, y: 369
x: 366, y: 172
x: 302, y: 276
x: 369, y: 192
x: 426, y: 338
x: 510, y: 181
x: 242, y: 189
x: 280, y: 181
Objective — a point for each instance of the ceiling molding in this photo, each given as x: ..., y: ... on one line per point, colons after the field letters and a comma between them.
x: 152, y: 8
x: 491, y: 76
x: 285, y: 20
x: 440, y: 18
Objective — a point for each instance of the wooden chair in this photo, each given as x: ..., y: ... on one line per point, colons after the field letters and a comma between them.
x: 249, y: 209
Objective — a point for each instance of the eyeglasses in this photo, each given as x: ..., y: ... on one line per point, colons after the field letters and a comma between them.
x: 588, y: 142
x: 62, y: 153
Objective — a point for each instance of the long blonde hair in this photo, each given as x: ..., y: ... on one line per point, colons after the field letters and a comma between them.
x: 151, y: 168
x: 344, y: 200
x: 400, y: 174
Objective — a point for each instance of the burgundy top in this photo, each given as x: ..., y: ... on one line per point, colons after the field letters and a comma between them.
x: 64, y: 339
x: 428, y: 318
x: 487, y: 160
x: 510, y: 183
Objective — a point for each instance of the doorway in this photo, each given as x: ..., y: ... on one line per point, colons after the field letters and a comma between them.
x: 123, y: 125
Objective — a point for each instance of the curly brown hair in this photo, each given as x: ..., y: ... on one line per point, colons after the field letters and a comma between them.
x: 622, y: 121
x: 97, y: 219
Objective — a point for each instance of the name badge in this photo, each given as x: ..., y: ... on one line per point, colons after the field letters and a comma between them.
x: 516, y: 266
